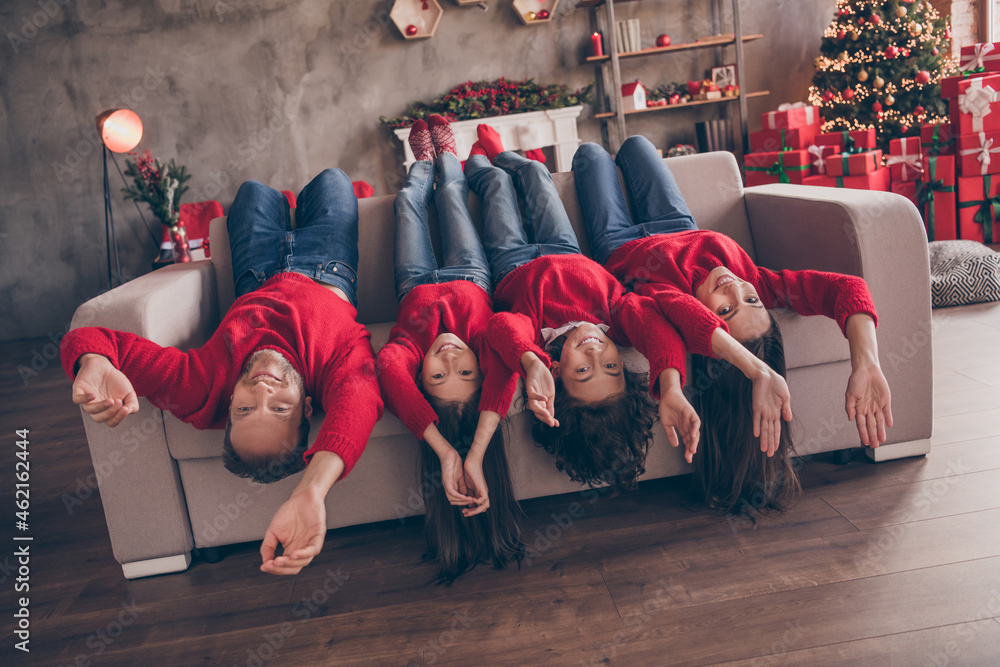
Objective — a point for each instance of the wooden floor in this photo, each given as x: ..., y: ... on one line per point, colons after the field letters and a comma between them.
x: 889, y: 564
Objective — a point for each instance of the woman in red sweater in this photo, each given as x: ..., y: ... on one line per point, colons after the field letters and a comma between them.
x: 437, y: 373
x: 718, y: 299
x: 567, y: 314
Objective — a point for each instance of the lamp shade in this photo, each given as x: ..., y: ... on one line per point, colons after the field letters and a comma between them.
x: 120, y: 129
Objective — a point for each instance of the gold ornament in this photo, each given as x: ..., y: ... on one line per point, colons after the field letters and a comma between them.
x: 863, y: 76
x: 916, y: 29
x: 890, y: 100
x: 878, y: 82
x: 901, y: 11
x: 530, y: 16
x: 854, y: 36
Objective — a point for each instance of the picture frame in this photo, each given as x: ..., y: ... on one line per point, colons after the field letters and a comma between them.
x: 724, y: 76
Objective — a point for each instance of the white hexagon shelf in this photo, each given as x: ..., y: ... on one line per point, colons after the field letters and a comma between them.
x: 534, y: 7
x: 416, y: 19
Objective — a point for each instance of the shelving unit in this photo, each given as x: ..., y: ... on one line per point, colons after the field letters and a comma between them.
x: 609, y: 78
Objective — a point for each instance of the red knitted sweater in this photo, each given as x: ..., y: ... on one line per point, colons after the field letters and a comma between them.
x: 459, y: 307
x: 670, y: 267
x: 308, y: 324
x: 555, y: 289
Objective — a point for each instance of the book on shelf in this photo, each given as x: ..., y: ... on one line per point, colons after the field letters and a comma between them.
x: 628, y: 36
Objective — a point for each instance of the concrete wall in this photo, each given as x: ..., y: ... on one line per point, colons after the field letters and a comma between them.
x: 277, y: 90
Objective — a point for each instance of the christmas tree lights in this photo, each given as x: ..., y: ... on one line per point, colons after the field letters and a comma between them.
x: 880, y: 66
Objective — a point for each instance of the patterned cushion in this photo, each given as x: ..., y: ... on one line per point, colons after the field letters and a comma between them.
x: 963, y: 272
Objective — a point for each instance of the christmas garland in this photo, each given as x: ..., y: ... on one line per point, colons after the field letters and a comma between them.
x: 481, y: 99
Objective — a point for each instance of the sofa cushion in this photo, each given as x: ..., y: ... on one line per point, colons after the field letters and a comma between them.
x: 963, y: 272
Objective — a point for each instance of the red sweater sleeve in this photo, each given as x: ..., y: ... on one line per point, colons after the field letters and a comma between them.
x: 154, y: 371
x: 352, y: 404
x: 836, y: 295
x: 499, y: 382
x: 693, y: 320
x: 651, y: 334
x: 511, y: 335
x: 398, y: 363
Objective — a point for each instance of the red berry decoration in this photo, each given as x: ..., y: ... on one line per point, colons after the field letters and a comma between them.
x: 543, y: 14
x: 848, y: 93
x: 877, y: 107
x: 922, y: 77
x: 918, y: 110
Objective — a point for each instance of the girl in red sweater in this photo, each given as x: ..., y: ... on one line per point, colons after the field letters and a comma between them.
x: 437, y: 373
x: 567, y: 314
x: 718, y: 299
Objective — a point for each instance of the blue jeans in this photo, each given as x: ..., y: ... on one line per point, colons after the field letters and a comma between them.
x: 657, y: 203
x: 323, y: 246
x: 505, y: 238
x: 414, y: 260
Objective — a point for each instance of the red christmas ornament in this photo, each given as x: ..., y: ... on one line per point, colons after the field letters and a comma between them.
x: 877, y: 107
x: 828, y: 95
x: 905, y: 129
x: 934, y: 51
x: 891, y: 51
x: 875, y: 19
x: 841, y: 34
x: 922, y: 77
x: 663, y: 40
x: 861, y: 20
x: 411, y: 30
x: 543, y: 14
x: 947, y: 32
x: 848, y: 93
x: 905, y: 53
x: 918, y: 110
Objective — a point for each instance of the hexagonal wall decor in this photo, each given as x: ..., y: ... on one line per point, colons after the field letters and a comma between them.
x: 528, y: 10
x: 416, y: 19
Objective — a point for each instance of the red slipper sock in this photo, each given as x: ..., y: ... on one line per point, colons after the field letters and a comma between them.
x: 490, y: 140
x: 442, y: 135
x: 535, y: 154
x: 477, y: 149
x: 420, y: 141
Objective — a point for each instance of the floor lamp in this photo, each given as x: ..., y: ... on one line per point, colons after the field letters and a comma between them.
x: 120, y: 131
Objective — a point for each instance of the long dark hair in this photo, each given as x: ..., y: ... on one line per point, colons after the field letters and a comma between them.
x: 731, y: 473
x: 605, y: 442
x: 456, y: 543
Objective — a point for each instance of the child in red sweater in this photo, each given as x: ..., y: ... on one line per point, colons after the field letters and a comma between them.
x: 290, y: 337
x: 437, y: 372
x: 568, y: 314
x: 718, y: 298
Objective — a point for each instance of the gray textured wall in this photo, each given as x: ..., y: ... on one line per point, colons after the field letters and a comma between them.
x: 277, y: 90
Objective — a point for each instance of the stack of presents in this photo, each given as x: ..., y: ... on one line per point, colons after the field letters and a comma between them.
x: 949, y: 172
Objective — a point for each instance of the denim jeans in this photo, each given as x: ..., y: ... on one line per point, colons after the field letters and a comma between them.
x: 323, y: 246
x: 505, y: 239
x: 657, y: 203
x: 414, y: 260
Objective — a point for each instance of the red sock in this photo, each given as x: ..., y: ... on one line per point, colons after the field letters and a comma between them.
x: 535, y: 154
x: 477, y: 149
x: 442, y: 135
x: 490, y: 139
x: 420, y: 141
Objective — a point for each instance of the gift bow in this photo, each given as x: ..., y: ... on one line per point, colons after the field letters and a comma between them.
x: 976, y: 101
x: 925, y: 194
x: 780, y: 169
x: 935, y: 145
x: 989, y: 210
x: 909, y: 162
x: 787, y: 106
x: 820, y: 161
x: 983, y: 152
x: 976, y: 61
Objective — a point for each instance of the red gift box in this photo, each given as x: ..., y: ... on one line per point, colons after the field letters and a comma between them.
x: 854, y: 164
x: 978, y: 208
x: 936, y: 140
x: 876, y: 180
x: 976, y: 108
x: 906, y: 188
x: 936, y: 198
x: 788, y: 119
x: 777, y: 167
x: 905, y: 161
x: 981, y: 56
x: 820, y: 158
x: 769, y: 141
x: 977, y: 154
x: 951, y: 86
x: 864, y: 139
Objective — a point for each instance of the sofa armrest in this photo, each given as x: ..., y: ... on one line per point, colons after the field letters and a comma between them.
x: 880, y: 237
x: 139, y: 482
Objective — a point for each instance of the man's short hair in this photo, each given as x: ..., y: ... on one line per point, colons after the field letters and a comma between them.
x: 265, y: 469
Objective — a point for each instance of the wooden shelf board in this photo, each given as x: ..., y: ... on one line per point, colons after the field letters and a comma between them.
x: 611, y: 114
x: 672, y: 48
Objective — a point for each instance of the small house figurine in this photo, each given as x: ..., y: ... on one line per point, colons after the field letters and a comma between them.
x: 633, y: 96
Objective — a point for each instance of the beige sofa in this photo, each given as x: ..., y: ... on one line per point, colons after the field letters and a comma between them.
x: 165, y: 490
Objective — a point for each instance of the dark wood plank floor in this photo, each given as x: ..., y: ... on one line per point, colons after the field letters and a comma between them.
x: 889, y: 564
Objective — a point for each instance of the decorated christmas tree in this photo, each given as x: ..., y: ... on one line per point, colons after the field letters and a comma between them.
x: 880, y: 67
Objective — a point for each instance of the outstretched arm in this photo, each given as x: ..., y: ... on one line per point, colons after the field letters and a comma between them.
x: 475, y: 481
x: 835, y: 295
x: 869, y: 402
x: 541, y: 388
x: 677, y: 415
x: 103, y: 391
x: 299, y: 525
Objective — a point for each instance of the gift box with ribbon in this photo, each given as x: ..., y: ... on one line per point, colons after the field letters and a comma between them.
x: 976, y: 108
x: 849, y: 142
x: 979, y: 208
x: 904, y: 161
x: 936, y: 198
x: 777, y: 167
x: 950, y: 84
x: 820, y: 156
x: 981, y: 57
x: 790, y: 116
x: 936, y: 140
x: 977, y: 154
x: 876, y: 180
x: 769, y: 141
x: 908, y: 189
x: 854, y: 164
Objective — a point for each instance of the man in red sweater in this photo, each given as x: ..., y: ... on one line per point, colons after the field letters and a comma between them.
x: 290, y: 337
